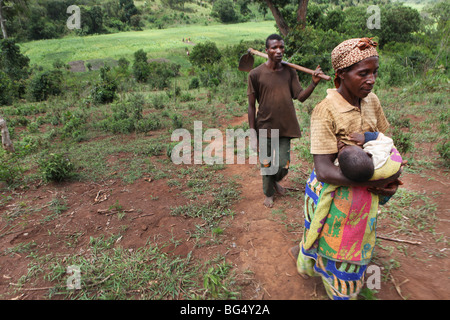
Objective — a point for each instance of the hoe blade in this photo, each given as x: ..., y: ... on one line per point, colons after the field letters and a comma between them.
x: 246, y: 62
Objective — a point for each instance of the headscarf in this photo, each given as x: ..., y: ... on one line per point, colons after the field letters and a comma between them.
x: 352, y: 51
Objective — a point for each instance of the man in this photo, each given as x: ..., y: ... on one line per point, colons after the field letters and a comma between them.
x: 274, y: 85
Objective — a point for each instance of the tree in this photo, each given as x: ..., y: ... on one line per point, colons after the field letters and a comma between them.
x: 224, y: 11
x: 398, y: 23
x: 205, y: 53
x: 275, y: 7
x: 15, y: 67
x: 127, y: 10
x: 13, y: 7
x: 12, y: 61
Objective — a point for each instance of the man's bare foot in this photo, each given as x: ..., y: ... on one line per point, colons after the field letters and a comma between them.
x: 268, y: 202
x: 279, y: 189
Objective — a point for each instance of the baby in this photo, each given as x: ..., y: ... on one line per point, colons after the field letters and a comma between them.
x: 376, y: 159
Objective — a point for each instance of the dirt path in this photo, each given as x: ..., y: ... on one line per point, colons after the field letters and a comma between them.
x: 263, y: 236
x: 255, y: 240
x: 262, y: 241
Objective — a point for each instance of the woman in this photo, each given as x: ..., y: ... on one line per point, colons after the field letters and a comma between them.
x: 339, y: 245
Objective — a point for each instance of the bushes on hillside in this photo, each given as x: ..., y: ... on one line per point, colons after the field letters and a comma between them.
x: 6, y: 93
x: 56, y: 167
x: 15, y: 70
x: 204, y: 54
x: 156, y: 73
x: 38, y: 20
x: 224, y: 11
x: 104, y: 90
x: 45, y: 84
x: 127, y: 117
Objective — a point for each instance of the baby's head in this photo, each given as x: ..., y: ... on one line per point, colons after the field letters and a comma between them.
x: 355, y: 163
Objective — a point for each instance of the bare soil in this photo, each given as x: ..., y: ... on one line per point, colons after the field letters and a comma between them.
x: 255, y: 241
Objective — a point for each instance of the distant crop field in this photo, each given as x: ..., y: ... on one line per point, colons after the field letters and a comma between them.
x: 157, y: 43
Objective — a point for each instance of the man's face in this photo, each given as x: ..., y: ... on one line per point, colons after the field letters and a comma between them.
x: 275, y: 50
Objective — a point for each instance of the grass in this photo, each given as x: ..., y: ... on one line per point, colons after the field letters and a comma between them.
x: 109, y: 271
x: 158, y: 43
x: 411, y: 211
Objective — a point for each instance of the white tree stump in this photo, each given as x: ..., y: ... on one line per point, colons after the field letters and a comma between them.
x: 6, y: 141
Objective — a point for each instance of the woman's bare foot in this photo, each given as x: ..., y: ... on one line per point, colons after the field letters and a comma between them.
x: 268, y: 202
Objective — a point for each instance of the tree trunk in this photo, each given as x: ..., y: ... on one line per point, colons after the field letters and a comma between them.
x: 2, y: 21
x: 6, y: 141
x: 281, y: 23
x: 301, y: 12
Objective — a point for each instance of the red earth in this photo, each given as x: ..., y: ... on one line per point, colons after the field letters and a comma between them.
x: 255, y: 240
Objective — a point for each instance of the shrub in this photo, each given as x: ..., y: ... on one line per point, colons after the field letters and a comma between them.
x: 177, y: 121
x: 45, y: 84
x: 140, y: 56
x: 315, y: 45
x: 224, y: 11
x: 150, y: 123
x: 127, y: 117
x: 123, y: 65
x: 194, y: 84
x: 6, y: 92
x: 158, y: 101
x: 141, y: 71
x: 12, y: 62
x: 205, y: 53
x: 56, y: 167
x: 403, y: 140
x: 74, y: 126
x: 104, y: 91
x: 161, y: 72
x: 10, y: 169
x: 211, y: 75
x: 443, y: 149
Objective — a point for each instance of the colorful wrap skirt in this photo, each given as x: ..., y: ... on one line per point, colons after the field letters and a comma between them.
x: 340, y: 231
x: 324, y: 249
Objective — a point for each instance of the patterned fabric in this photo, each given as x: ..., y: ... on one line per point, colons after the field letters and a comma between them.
x: 352, y: 51
x: 343, y: 224
x: 340, y: 232
x: 342, y: 281
x: 335, y: 118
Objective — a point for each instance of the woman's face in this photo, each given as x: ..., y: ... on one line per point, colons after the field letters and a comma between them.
x: 360, y: 78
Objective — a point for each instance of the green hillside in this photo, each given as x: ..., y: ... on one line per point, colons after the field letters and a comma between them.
x: 158, y: 43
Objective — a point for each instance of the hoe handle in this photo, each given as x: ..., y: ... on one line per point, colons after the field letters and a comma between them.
x: 294, y: 66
